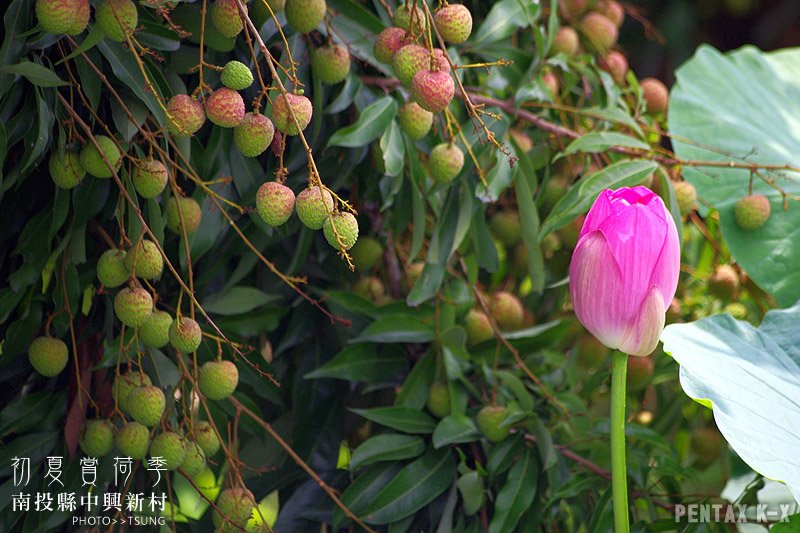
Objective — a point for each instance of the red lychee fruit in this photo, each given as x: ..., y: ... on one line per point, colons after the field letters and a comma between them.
x: 454, y: 22
x: 655, y: 94
x: 275, y: 203
x: 433, y: 90
x: 253, y: 135
x: 303, y: 110
x: 388, y: 42
x: 600, y: 33
x: 225, y: 108
x: 186, y: 115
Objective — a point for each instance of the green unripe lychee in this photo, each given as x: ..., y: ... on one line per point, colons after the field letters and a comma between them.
x: 305, y: 15
x: 445, y: 162
x: 124, y: 384
x: 253, y: 135
x: 414, y: 121
x: 686, y: 195
x: 225, y: 108
x: 236, y: 75
x: 439, y: 400
x: 146, y: 404
x: 185, y: 334
x: 388, y: 42
x: 410, y: 17
x: 234, y: 505
x: 183, y: 212
x: 572, y: 9
x: 724, y: 282
x: 133, y: 440
x: 489, y: 420
x: 303, y: 110
x: 145, y: 260
x: 154, y: 331
x: 195, y: 460
x: 205, y: 437
x: 599, y: 32
x: 345, y: 225
x: 331, y: 63
x: 92, y: 161
x: 65, y: 169
x: 370, y: 288
x: 566, y: 41
x: 218, y: 379
x: 506, y: 227
x: 81, y: 20
x: 640, y: 372
x: 225, y: 16
x: 313, y: 205
x: 591, y: 352
x: 478, y: 327
x: 117, y: 18
x: 752, y: 212
x: 454, y: 23
x: 707, y: 445
x: 413, y: 272
x: 186, y: 115
x: 366, y: 253
x: 507, y: 311
x: 275, y: 203
x: 169, y: 446
x: 133, y: 305
x: 111, y: 269
x: 97, y: 438
x: 48, y: 356
x: 150, y: 178
x: 433, y: 90
x: 414, y: 58
x: 655, y: 94
x: 736, y: 310
x: 55, y: 16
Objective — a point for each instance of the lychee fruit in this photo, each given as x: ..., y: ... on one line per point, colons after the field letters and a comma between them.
x: 490, y: 419
x: 235, y: 505
x: 150, y: 178
x: 183, y: 212
x: 506, y: 227
x: 407, y: 15
x: 686, y: 195
x: 225, y: 16
x: 612, y: 10
x: 218, y: 379
x: 111, y: 269
x: 346, y: 226
x: 185, y: 334
x: 454, y: 22
x: 81, y: 20
x: 478, y: 327
x: 330, y: 63
x: 591, y: 352
x: 388, y: 42
x: 133, y: 305
x: 640, y: 372
x: 438, y: 400
x: 48, y: 356
x: 433, y: 90
x: 170, y: 447
x: 600, y: 33
x: 92, y: 161
x: 370, y: 288
x: 445, y: 162
x: 133, y: 440
x: 724, y: 282
x: 566, y: 41
x: 144, y: 260
x: 97, y: 438
x: 146, y: 404
x: 154, y: 331
x: 236, y: 75
x: 550, y: 80
x: 275, y: 203
x: 655, y: 94
x: 65, y: 169
x: 616, y: 64
x: 124, y: 384
x: 303, y: 110
x: 205, y: 437
x: 507, y: 311
x: 186, y: 115
x: 225, y: 108
x: 413, y: 272
x: 55, y: 16
x: 305, y: 15
x: 412, y: 59
x: 254, y: 135
x: 117, y: 18
x: 737, y: 310
x: 707, y: 445
x: 195, y: 460
x: 752, y: 212
x: 572, y: 9
x: 313, y: 205
x: 414, y: 121
x: 366, y: 253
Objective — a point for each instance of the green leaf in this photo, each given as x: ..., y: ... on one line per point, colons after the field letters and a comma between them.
x: 516, y: 495
x: 371, y: 124
x: 35, y: 73
x: 95, y: 35
x: 361, y: 362
x: 386, y: 447
x: 358, y: 27
x: 503, y: 19
x: 730, y: 118
x: 601, y: 141
x: 363, y: 489
x: 524, y: 183
x: 403, y: 419
x: 237, y: 301
x: 393, y: 150
x: 455, y: 429
x: 128, y: 72
x: 397, y: 329
x: 750, y: 377
x: 470, y: 485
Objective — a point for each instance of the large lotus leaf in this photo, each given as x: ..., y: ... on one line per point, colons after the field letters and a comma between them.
x: 744, y: 106
x: 750, y: 377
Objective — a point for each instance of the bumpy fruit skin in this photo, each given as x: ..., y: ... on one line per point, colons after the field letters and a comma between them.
x: 616, y: 64
x: 117, y: 18
x: 305, y: 15
x: 506, y: 227
x: 302, y: 108
x: 55, y: 16
x: 225, y: 16
x: 707, y: 444
x: 686, y: 195
x: 347, y: 227
x: 331, y: 63
x: 66, y: 169
x: 507, y: 310
x: 438, y: 400
x: 489, y: 419
x: 150, y: 177
x: 600, y: 33
x: 218, y: 379
x: 275, y: 203
x: 92, y: 161
x: 724, y: 282
x: 81, y: 20
x: 133, y: 440
x: 170, y: 447
x: 640, y: 372
x: 146, y: 405
x: 145, y: 260
x: 124, y: 384
x: 433, y: 90
x: 445, y: 162
x: 478, y: 327
x: 111, y: 269
x: 572, y: 9
x: 612, y: 10
x: 388, y: 42
x: 185, y: 335
x: 235, y: 505
x: 405, y: 15
x: 48, y: 356
x: 195, y: 460
x: 206, y: 438
x: 254, y: 135
x: 454, y: 23
x: 656, y: 94
x: 225, y: 108
x: 154, y: 331
x: 414, y: 121
x: 313, y: 205
x: 183, y: 212
x: 366, y: 253
x: 591, y: 352
x: 132, y: 306
x: 752, y: 212
x: 566, y: 41
x: 412, y: 59
x: 186, y: 115
x: 97, y: 438
x: 236, y: 75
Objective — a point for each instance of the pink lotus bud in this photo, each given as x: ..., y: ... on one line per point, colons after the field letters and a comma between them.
x: 624, y: 270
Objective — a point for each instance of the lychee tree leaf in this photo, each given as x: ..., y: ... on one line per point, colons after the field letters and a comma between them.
x: 405, y: 419
x: 732, y: 115
x: 750, y: 378
x: 372, y: 122
x: 387, y: 447
x: 516, y: 495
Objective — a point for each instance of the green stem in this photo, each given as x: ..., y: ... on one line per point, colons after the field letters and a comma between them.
x: 619, y: 470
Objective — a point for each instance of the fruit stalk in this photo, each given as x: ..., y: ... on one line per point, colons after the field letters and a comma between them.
x: 619, y: 470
